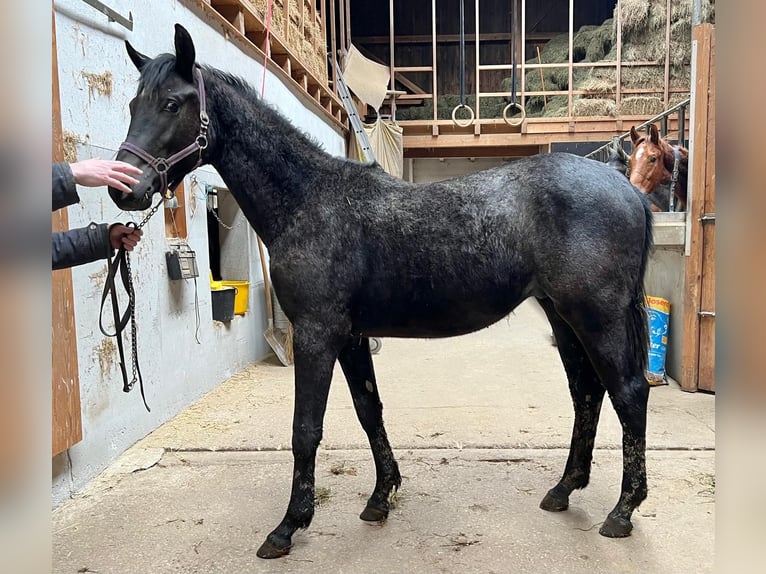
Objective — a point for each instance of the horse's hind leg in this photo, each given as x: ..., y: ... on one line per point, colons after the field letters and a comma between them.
x: 356, y: 362
x: 587, y: 393
x: 609, y: 331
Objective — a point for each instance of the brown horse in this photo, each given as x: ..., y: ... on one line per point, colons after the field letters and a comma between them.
x: 655, y: 163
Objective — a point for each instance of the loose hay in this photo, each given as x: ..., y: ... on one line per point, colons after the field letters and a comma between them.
x: 100, y: 84
x: 70, y: 146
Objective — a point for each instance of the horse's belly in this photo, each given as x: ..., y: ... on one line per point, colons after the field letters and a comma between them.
x: 432, y: 314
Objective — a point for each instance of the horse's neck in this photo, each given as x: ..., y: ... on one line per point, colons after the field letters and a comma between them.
x: 268, y: 165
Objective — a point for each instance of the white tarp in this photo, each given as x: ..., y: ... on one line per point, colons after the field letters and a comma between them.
x: 367, y: 79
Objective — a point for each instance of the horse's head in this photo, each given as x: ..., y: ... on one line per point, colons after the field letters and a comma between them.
x: 168, y: 126
x: 647, y: 163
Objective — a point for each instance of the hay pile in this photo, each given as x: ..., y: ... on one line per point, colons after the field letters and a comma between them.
x: 643, y: 39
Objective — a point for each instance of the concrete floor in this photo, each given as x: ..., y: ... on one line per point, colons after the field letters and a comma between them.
x: 480, y: 425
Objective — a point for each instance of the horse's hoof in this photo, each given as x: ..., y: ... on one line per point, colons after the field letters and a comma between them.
x: 373, y: 514
x: 269, y: 550
x: 555, y: 501
x: 615, y: 527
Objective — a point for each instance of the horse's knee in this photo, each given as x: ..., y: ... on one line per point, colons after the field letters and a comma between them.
x: 306, y: 441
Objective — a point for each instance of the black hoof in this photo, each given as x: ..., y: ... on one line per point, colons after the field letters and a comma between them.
x: 269, y: 550
x: 615, y: 527
x: 373, y: 514
x: 555, y: 501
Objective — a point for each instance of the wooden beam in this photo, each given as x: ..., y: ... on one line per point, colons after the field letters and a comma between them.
x: 666, y: 97
x: 434, y: 88
x: 67, y: 421
x: 706, y: 371
x: 690, y: 357
x: 452, y: 38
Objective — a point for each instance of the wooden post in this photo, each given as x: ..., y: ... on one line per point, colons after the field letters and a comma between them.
x: 618, y: 73
x: 571, y: 56
x: 666, y: 98
x: 67, y: 423
x: 434, y: 85
x: 698, y: 336
x: 334, y: 48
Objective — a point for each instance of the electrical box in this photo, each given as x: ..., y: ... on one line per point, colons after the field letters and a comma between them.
x: 182, y: 263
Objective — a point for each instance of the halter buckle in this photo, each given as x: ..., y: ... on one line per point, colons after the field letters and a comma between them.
x: 202, y: 141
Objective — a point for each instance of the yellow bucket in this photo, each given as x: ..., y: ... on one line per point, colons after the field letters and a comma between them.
x: 241, y: 296
x: 215, y: 285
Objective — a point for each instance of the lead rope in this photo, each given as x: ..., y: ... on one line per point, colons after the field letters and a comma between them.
x: 121, y: 264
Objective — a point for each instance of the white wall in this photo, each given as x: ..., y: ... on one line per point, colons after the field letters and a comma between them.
x: 176, y: 369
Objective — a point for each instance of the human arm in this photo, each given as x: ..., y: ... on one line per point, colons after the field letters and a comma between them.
x: 89, y: 173
x: 64, y: 189
x: 81, y: 245
x: 91, y: 243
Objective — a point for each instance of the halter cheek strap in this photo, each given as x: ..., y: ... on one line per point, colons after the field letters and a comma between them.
x: 674, y: 178
x: 162, y: 165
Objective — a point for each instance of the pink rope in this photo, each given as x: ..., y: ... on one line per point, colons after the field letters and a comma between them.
x: 267, y: 46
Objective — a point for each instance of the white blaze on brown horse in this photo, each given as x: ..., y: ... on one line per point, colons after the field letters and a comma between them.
x: 652, y: 164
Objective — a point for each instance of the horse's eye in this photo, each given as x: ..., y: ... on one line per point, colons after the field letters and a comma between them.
x: 652, y: 159
x: 171, y: 107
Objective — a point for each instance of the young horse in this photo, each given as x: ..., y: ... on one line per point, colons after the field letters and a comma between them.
x: 357, y: 253
x: 654, y: 163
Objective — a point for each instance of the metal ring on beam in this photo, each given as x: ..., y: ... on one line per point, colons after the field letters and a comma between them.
x: 516, y: 121
x: 462, y: 123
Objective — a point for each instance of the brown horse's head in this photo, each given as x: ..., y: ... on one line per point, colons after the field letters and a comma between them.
x: 651, y: 164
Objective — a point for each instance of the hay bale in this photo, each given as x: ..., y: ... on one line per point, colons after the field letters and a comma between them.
x: 641, y: 106
x: 597, y: 86
x: 587, y: 107
x: 634, y: 13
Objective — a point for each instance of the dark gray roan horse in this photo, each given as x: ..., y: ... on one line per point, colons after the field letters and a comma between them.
x: 357, y: 253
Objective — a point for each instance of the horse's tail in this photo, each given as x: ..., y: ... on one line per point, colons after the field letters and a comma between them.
x: 638, y: 329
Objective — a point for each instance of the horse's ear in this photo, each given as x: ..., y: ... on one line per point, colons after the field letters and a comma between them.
x: 654, y: 134
x: 138, y: 59
x: 185, y: 53
x: 634, y: 137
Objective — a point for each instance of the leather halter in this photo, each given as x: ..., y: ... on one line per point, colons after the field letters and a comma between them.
x: 674, y: 178
x: 121, y: 263
x: 162, y: 165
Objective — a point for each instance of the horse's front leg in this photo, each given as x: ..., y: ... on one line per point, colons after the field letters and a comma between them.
x: 356, y: 362
x: 315, y: 354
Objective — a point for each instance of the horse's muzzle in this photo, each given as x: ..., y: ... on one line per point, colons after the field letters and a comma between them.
x: 131, y: 201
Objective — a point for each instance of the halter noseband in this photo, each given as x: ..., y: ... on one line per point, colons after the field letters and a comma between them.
x: 162, y: 165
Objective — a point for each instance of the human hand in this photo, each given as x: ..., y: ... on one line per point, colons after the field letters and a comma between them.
x: 95, y: 172
x: 124, y: 236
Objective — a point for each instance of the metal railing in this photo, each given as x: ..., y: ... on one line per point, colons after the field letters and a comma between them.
x: 616, y: 145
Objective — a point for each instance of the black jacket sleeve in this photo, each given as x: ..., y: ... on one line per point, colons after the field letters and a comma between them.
x: 64, y: 189
x: 80, y: 246
x: 76, y: 246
